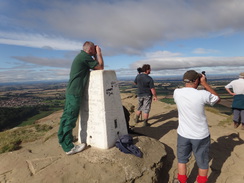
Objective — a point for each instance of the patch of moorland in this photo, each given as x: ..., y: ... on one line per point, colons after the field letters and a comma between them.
x: 12, y: 139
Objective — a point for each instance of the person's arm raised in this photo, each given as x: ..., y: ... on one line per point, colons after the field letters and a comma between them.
x: 99, y: 59
x: 204, y: 83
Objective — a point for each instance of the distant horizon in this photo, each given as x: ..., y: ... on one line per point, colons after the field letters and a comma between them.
x: 211, y: 77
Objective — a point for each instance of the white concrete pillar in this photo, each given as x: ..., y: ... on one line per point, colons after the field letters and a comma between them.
x: 101, y: 116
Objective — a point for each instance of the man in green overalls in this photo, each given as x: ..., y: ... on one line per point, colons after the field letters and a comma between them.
x: 89, y: 58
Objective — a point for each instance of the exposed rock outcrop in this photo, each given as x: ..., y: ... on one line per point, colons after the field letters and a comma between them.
x: 46, y: 162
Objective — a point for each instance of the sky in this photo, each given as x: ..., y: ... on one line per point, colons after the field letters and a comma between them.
x: 39, y: 39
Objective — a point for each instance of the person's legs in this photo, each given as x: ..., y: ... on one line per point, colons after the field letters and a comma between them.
x: 202, y: 172
x: 68, y: 122
x: 201, y: 153
x: 138, y: 113
x: 184, y: 150
x: 145, y: 117
x: 139, y: 109
x: 182, y: 178
x: 146, y: 109
x: 242, y: 119
x: 236, y: 117
x: 202, y: 176
x: 63, y: 118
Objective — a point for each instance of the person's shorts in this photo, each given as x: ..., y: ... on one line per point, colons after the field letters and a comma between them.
x: 144, y: 104
x: 238, y: 115
x: 199, y: 147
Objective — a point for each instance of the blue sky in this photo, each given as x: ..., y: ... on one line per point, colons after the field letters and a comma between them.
x: 39, y: 39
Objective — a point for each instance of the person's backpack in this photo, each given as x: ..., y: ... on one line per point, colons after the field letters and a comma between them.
x: 125, y: 144
x: 127, y: 118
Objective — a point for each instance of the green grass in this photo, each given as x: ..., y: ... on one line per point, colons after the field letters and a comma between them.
x: 168, y: 100
x: 221, y: 110
x: 227, y: 121
x: 212, y: 109
x: 12, y: 139
x: 41, y: 115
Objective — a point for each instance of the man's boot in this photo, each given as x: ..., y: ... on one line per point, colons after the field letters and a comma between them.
x: 136, y: 119
x: 145, y: 123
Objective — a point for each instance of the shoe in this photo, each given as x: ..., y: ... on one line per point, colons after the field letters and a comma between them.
x: 145, y: 123
x: 130, y: 130
x: 76, y: 149
x: 236, y: 124
x: 242, y: 126
x: 176, y: 181
x: 137, y: 119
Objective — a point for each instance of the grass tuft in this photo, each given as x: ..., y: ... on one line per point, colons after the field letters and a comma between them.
x: 227, y: 121
x: 168, y: 100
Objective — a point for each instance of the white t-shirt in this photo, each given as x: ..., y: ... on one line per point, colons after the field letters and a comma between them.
x: 192, y: 119
x: 237, y: 85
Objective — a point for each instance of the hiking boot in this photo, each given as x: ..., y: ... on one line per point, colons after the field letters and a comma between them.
x: 236, y: 124
x: 76, y: 149
x: 145, y: 123
x: 136, y: 119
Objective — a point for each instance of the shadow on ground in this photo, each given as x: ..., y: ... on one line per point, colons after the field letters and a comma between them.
x: 224, y: 146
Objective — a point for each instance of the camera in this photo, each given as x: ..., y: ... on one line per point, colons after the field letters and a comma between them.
x: 204, y: 73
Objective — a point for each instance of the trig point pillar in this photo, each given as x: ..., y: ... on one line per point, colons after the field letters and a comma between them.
x: 101, y: 117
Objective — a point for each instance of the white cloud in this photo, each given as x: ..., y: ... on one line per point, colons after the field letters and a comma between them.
x: 38, y: 41
x: 41, y: 61
x: 118, y: 25
x: 204, y: 51
x: 175, y: 62
x: 25, y: 74
x: 159, y: 54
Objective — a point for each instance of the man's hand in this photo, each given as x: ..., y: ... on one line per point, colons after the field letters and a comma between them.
x: 154, y: 94
x: 204, y: 83
x: 203, y: 80
x: 98, y: 50
x: 99, y: 58
x: 230, y: 92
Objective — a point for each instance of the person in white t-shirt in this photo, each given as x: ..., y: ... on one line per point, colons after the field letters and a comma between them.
x: 238, y: 101
x: 193, y: 133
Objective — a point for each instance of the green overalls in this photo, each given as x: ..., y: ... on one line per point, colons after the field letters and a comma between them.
x: 79, y: 74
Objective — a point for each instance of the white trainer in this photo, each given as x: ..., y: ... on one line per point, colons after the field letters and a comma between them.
x: 76, y: 149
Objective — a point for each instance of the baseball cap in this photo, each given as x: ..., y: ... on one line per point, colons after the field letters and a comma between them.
x: 191, y: 76
x: 241, y: 75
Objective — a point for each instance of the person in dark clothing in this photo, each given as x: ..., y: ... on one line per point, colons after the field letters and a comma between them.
x: 145, y: 93
x: 89, y: 58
